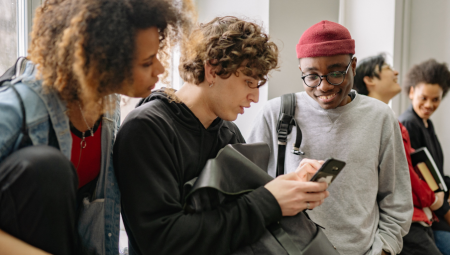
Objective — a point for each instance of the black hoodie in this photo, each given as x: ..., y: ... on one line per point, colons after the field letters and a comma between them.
x: 159, y: 147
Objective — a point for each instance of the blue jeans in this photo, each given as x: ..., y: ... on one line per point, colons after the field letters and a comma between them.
x: 442, y: 239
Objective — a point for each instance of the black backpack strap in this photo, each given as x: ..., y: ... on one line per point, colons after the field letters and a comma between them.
x: 284, y: 127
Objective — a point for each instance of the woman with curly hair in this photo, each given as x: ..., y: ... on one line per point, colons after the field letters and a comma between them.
x: 427, y: 84
x: 166, y: 141
x: 57, y: 179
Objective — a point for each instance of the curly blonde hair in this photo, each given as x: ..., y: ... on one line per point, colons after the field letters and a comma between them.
x: 225, y: 43
x: 84, y: 49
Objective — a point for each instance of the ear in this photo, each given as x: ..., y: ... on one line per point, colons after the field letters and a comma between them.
x: 370, y: 83
x: 354, y: 66
x: 411, y: 93
x: 210, y: 73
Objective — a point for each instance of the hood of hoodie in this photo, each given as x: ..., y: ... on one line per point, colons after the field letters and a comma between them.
x: 182, y: 113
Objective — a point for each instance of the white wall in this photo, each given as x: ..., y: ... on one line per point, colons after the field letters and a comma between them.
x: 254, y: 10
x: 288, y: 19
x: 430, y: 38
x: 371, y: 24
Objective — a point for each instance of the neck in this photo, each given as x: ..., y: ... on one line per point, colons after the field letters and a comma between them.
x: 77, y: 120
x: 195, y: 97
x: 380, y: 97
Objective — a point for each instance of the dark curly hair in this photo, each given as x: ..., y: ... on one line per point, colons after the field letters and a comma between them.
x: 430, y: 72
x: 84, y: 49
x: 368, y: 67
x: 225, y: 43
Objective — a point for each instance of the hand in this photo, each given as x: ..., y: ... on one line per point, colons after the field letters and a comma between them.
x: 307, y: 168
x: 293, y: 194
x: 439, y: 201
x: 9, y: 245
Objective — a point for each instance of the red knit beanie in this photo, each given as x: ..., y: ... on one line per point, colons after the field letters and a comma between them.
x: 325, y: 38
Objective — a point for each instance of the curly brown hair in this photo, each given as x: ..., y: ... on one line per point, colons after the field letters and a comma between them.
x: 225, y: 43
x: 84, y: 49
x: 430, y: 72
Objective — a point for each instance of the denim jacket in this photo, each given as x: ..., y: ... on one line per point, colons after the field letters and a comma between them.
x: 44, y: 109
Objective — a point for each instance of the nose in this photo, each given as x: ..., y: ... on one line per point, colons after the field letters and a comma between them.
x: 429, y: 104
x: 325, y: 86
x: 395, y: 72
x: 254, y: 95
x: 158, y: 68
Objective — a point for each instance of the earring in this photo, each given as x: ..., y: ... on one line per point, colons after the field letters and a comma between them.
x: 211, y: 84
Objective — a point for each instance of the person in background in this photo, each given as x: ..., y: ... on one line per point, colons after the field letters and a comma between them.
x: 57, y: 180
x: 427, y: 84
x: 376, y: 78
x: 369, y: 209
x: 167, y: 140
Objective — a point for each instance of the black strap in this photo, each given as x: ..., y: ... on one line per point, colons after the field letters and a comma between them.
x: 284, y: 239
x: 284, y: 127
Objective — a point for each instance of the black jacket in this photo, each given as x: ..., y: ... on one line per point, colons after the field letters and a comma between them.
x: 161, y: 146
x: 426, y: 137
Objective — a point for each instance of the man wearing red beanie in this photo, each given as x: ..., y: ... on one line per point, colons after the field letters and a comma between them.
x: 370, y: 208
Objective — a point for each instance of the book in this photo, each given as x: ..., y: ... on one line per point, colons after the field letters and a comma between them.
x: 424, y: 162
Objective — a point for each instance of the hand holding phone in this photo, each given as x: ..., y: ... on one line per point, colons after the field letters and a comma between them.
x: 329, y: 170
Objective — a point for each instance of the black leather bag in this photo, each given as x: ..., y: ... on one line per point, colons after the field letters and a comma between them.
x: 239, y: 169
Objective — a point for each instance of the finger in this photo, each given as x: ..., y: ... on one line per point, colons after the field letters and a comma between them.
x: 316, y: 164
x: 307, y: 169
x: 314, y: 204
x: 290, y: 176
x: 315, y: 197
x: 313, y: 186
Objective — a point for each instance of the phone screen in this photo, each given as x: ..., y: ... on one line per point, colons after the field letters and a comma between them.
x: 329, y: 171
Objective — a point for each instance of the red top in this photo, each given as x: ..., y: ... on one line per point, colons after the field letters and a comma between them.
x: 89, y: 166
x: 422, y: 195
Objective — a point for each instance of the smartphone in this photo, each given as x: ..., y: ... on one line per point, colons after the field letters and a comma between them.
x: 329, y: 170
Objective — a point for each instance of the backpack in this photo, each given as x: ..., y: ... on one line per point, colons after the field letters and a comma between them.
x: 286, y: 121
x: 237, y: 170
x: 5, y: 83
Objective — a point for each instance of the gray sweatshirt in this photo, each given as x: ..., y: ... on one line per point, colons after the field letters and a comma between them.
x: 370, y: 204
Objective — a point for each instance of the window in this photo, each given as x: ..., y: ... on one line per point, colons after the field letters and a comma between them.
x: 8, y: 32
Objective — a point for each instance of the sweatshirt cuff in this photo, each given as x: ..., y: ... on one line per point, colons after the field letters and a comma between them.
x: 267, y: 204
x: 388, y: 244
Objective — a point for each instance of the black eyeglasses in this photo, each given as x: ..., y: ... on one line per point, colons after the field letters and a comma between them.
x: 333, y: 78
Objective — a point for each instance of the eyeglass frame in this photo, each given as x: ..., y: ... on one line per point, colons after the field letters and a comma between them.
x: 326, y: 76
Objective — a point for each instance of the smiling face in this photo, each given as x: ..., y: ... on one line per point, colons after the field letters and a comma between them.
x: 146, y: 65
x: 425, y: 99
x: 229, y: 97
x: 329, y: 96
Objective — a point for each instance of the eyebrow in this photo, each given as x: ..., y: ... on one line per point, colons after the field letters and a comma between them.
x: 310, y: 69
x: 150, y: 57
x: 332, y: 66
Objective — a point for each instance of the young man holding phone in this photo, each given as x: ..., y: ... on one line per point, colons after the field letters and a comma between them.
x: 369, y: 209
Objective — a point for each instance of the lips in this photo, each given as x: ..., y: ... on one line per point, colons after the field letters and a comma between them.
x: 427, y: 112
x: 327, y: 98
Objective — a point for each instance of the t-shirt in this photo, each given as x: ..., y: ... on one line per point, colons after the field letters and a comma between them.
x: 86, y: 156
